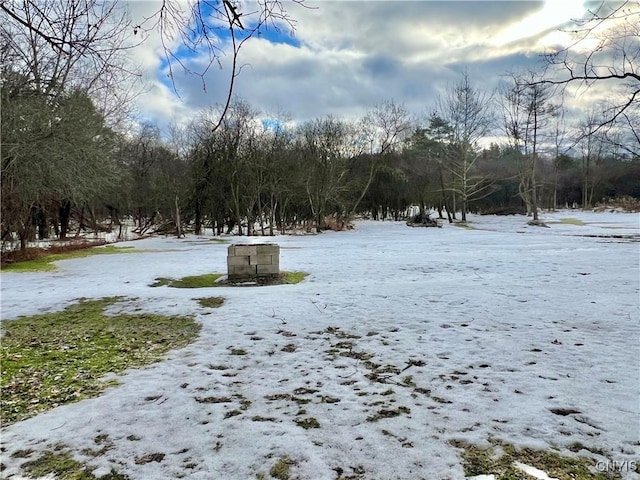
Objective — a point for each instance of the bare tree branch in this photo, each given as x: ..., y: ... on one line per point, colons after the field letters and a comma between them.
x: 205, y: 29
x: 606, y: 51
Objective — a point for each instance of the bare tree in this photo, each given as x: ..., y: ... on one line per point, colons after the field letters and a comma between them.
x: 324, y: 142
x: 559, y: 148
x: 92, y: 30
x: 383, y: 129
x: 58, y: 47
x: 526, y: 112
x: 469, y: 113
x: 591, y: 146
x: 605, y: 52
x: 204, y: 26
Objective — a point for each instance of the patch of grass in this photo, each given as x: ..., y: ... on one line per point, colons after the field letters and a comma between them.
x: 329, y: 399
x: 478, y: 460
x: 161, y: 282
x: 238, y: 351
x: 258, y: 418
x: 218, y: 367
x: 308, y: 423
x: 44, y: 263
x: 408, y: 381
x: 63, y: 466
x: 58, y: 464
x: 435, y: 398
x: 150, y: 457
x: 278, y: 396
x: 196, y: 281
x: 232, y: 413
x: 21, y: 453
x: 577, y: 446
x: 193, y: 281
x: 282, y: 468
x: 293, y: 277
x: 464, y: 225
x: 572, y: 221
x: 211, y: 302
x: 357, y: 355
x: 388, y: 413
x: 305, y: 391
x: 212, y: 280
x: 61, y: 357
x: 213, y: 400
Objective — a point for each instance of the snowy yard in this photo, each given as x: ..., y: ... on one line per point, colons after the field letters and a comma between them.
x: 400, y: 342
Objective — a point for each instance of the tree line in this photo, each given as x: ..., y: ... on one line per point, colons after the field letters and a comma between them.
x: 68, y: 166
x: 255, y: 176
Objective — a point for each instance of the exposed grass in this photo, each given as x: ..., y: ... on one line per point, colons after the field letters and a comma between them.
x: 212, y: 280
x: 486, y: 461
x: 282, y: 468
x: 63, y: 466
x: 232, y: 413
x: 45, y: 262
x: 388, y: 413
x: 193, y: 281
x: 294, y: 277
x: 59, y: 358
x: 161, y: 282
x: 211, y: 302
x: 259, y: 418
x: 308, y: 423
x: 464, y: 225
x: 572, y: 221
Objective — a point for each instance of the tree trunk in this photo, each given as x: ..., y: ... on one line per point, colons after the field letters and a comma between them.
x: 585, y: 184
x: 555, y: 190
x: 80, y: 222
x: 443, y: 193
x: 178, y: 220
x: 465, y: 186
x: 198, y: 218
x: 43, y: 224
x: 65, y: 216
x: 534, y: 188
x: 372, y: 172
x: 272, y: 215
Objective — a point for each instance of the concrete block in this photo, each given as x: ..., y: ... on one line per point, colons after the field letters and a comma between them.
x: 246, y: 250
x: 268, y: 249
x: 267, y: 270
x: 244, y: 260
x: 250, y: 261
x: 261, y: 260
x: 242, y: 270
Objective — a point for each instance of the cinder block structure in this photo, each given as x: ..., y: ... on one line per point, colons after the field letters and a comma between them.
x: 245, y: 262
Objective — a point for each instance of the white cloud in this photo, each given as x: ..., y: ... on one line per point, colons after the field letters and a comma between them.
x: 550, y: 16
x: 350, y: 55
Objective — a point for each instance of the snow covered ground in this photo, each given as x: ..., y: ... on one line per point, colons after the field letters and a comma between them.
x: 399, y: 341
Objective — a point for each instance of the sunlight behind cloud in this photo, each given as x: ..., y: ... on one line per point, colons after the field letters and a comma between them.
x: 553, y: 14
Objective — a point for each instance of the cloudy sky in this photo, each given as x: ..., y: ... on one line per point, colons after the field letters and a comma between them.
x: 346, y: 56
